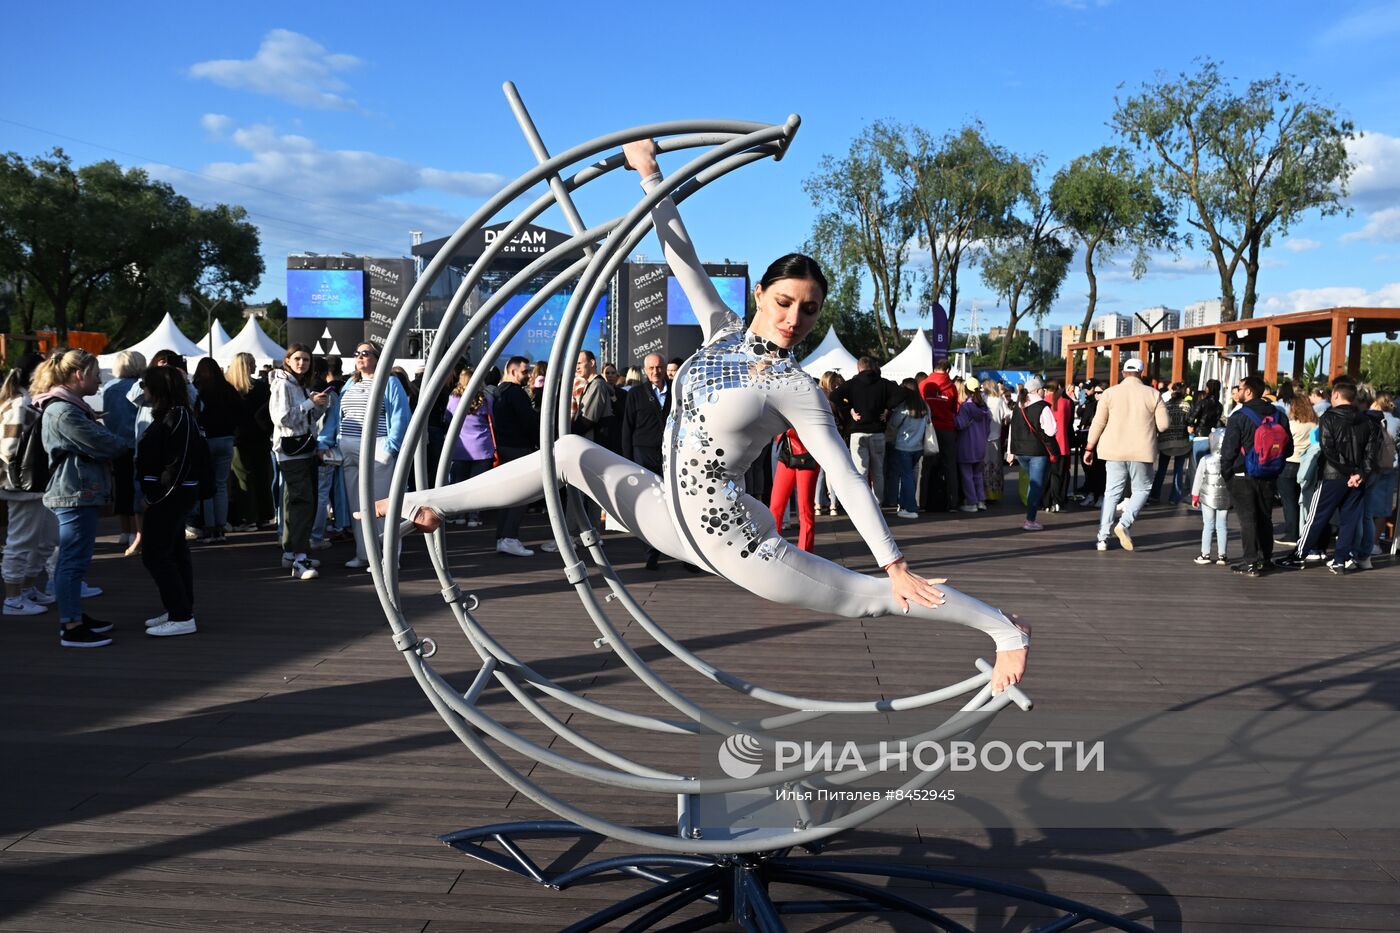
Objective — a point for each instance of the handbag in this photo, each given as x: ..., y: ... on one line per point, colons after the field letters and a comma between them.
x: 297, y: 445
x: 1054, y: 455
x: 930, y: 440
x: 791, y: 458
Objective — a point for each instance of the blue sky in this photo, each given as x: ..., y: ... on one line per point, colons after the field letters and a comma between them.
x: 342, y: 126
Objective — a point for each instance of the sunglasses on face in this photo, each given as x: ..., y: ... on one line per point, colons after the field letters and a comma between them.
x: 364, y: 353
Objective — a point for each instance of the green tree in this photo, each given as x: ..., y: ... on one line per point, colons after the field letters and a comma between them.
x: 961, y: 189
x: 112, y: 250
x: 1026, y: 265
x: 860, y: 219
x: 1380, y: 363
x: 1110, y: 205
x: 1247, y: 164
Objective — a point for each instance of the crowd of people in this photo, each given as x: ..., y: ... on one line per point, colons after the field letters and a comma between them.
x: 184, y: 459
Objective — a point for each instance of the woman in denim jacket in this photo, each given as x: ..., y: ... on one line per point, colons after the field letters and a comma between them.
x: 80, y: 459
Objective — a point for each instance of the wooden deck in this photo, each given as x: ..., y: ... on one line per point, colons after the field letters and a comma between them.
x: 282, y: 771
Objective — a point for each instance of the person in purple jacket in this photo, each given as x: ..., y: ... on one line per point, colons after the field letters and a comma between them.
x: 974, y: 423
x: 473, y: 449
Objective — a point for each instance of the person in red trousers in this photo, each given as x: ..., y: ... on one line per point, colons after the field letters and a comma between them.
x: 796, y: 468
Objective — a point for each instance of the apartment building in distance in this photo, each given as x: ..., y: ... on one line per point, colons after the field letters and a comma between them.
x: 1108, y: 326
x: 1203, y: 313
x: 1156, y: 319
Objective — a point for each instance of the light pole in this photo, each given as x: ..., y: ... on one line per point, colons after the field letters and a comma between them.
x: 192, y: 298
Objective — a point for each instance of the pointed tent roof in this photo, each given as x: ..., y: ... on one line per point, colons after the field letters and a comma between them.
x: 912, y: 360
x: 218, y: 335
x: 167, y: 336
x: 250, y: 339
x: 830, y: 354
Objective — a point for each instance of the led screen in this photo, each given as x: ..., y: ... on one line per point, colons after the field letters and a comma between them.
x: 535, y: 340
x: 678, y: 307
x: 326, y: 293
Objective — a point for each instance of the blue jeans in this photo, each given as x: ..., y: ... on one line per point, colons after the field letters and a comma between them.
x: 216, y: 508
x: 330, y: 493
x: 1178, y: 486
x: 906, y: 463
x: 1214, y: 521
x: 1118, y: 475
x: 1037, y: 468
x: 77, y: 533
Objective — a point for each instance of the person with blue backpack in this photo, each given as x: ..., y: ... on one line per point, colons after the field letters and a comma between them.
x: 1257, y: 444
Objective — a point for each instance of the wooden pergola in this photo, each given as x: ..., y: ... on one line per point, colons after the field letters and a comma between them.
x: 1341, y: 327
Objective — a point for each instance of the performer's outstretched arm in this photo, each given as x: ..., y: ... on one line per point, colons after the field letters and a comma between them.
x: 680, y: 254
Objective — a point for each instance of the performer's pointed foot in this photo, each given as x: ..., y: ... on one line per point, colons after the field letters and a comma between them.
x: 425, y: 519
x: 1011, y: 665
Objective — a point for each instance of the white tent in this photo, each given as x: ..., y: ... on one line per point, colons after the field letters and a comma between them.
x: 912, y: 360
x: 166, y: 336
x: 217, y: 336
x: 830, y: 354
x: 251, y: 339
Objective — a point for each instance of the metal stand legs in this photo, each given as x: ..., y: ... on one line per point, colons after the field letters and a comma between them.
x: 736, y: 888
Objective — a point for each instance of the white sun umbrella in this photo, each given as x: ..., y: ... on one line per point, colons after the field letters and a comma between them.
x: 912, y: 360
x: 830, y: 354
x: 251, y: 339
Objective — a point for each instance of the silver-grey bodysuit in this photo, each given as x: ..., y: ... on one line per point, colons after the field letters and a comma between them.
x: 733, y: 396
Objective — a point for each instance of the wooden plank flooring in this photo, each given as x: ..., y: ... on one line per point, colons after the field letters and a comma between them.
x: 281, y: 770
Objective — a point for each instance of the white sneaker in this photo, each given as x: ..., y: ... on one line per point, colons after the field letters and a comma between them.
x: 549, y: 547
x: 473, y: 523
x: 981, y: 506
x: 970, y: 507
x: 158, y: 620
x: 903, y: 514
x: 187, y: 627
x: 356, y: 563
x: 304, y: 570
x: 19, y: 606
x: 513, y: 547
x: 319, y: 544
x: 193, y: 535
x: 1101, y: 545
x: 38, y: 597
x: 288, y: 561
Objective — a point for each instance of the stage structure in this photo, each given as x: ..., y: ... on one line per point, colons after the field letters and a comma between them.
x: 337, y: 302
x: 710, y: 861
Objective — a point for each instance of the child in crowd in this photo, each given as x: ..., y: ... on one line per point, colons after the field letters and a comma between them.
x: 1211, y: 494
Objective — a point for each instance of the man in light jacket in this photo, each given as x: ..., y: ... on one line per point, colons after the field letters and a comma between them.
x: 1124, y: 435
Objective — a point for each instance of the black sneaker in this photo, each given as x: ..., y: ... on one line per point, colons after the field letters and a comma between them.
x: 97, y: 626
x: 1290, y: 562
x: 80, y: 636
x: 1340, y: 570
x: 1243, y: 568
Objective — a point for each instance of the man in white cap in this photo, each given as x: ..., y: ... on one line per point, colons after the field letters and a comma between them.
x: 1124, y: 435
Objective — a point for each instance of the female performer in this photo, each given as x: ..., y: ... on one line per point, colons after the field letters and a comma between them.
x: 739, y: 389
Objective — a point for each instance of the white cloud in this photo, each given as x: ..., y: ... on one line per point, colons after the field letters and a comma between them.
x: 289, y: 66
x: 304, y: 197
x: 1367, y: 25
x: 1383, y: 226
x: 1335, y: 296
x: 1160, y: 265
x: 216, y: 124
x: 1375, y: 181
x: 1297, y: 245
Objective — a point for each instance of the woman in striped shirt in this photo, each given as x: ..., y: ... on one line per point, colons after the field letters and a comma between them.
x: 345, y: 427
